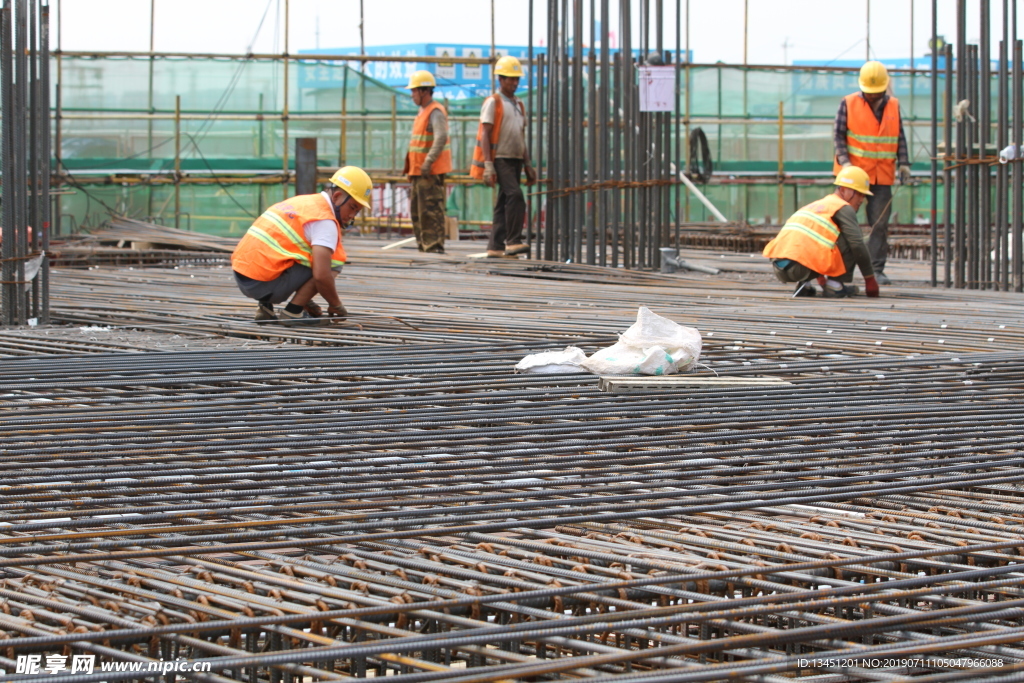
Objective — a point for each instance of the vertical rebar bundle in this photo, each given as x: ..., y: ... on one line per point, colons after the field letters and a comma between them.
x: 24, y: 99
x: 609, y: 164
x: 982, y: 196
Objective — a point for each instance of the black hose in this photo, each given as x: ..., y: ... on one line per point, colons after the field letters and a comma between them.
x: 700, y: 166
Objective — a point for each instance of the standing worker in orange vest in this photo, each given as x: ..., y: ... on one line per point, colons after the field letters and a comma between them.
x: 869, y: 135
x: 823, y: 240
x: 501, y: 156
x: 294, y: 250
x: 426, y: 162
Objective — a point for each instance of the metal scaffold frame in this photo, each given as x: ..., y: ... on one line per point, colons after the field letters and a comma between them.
x: 672, y: 210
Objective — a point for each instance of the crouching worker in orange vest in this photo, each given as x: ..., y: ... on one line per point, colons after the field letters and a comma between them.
x: 823, y: 240
x: 294, y: 250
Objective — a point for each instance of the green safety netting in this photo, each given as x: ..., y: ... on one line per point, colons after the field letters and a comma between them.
x: 103, y: 131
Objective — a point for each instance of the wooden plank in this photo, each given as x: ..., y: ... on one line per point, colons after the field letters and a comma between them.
x: 622, y: 385
x: 399, y: 243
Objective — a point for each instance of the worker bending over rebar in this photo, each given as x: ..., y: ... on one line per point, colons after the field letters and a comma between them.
x: 295, y: 250
x: 823, y: 240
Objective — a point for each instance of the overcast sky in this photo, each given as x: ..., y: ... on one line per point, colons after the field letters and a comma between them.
x: 780, y: 30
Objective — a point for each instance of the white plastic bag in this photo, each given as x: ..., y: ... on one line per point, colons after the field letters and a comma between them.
x: 32, y: 267
x: 653, y: 345
x: 553, y: 362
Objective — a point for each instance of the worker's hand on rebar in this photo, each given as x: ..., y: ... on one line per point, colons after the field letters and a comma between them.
x: 337, y: 312
x: 490, y: 175
x: 871, y: 286
x: 904, y: 174
x: 531, y: 175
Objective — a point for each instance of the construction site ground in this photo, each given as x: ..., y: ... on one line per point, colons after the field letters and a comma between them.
x: 386, y: 496
x: 194, y: 307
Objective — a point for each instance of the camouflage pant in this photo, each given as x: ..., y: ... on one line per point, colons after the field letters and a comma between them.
x: 426, y: 207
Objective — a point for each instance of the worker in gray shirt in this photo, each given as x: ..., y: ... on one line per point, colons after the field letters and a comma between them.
x: 428, y: 160
x: 501, y: 157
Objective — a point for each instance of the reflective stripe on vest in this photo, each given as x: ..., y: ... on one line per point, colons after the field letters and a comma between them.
x: 422, y: 141
x: 476, y: 169
x: 872, y: 144
x: 809, y: 238
x: 276, y: 240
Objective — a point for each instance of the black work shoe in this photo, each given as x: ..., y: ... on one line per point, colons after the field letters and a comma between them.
x: 299, y: 319
x: 265, y: 312
x: 846, y: 291
x: 514, y: 249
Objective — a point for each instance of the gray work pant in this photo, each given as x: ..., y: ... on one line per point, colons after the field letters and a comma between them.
x: 797, y: 272
x: 878, y: 207
x: 510, y: 209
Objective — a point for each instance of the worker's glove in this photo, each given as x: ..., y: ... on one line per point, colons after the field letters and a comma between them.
x: 871, y: 286
x: 425, y: 168
x: 531, y: 175
x: 337, y: 312
x: 904, y: 174
x: 490, y: 175
x: 847, y: 164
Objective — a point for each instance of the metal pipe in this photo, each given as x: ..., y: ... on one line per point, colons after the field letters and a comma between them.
x: 20, y: 175
x: 177, y: 161
x: 605, y: 147
x: 285, y: 185
x: 867, y: 31
x: 1000, y: 252
x: 677, y: 119
x: 593, y: 124
x: 1018, y: 168
x: 44, y: 159
x: 782, y: 164
x: 8, y: 288
x: 947, y: 174
x: 935, y: 139
x: 532, y: 123
x: 985, y: 279
x: 34, y: 217
x: 962, y: 61
x: 577, y: 215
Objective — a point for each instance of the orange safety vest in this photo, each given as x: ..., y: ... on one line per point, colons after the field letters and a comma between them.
x: 809, y: 238
x: 476, y: 170
x: 276, y: 240
x: 872, y: 144
x: 422, y: 141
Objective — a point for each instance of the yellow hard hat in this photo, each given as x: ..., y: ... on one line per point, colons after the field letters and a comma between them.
x: 421, y: 79
x: 508, y: 66
x: 855, y: 178
x: 873, y: 77
x: 354, y: 181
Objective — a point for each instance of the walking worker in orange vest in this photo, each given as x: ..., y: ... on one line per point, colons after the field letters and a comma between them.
x: 501, y: 156
x: 823, y: 240
x: 869, y: 135
x: 294, y: 250
x: 426, y: 162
